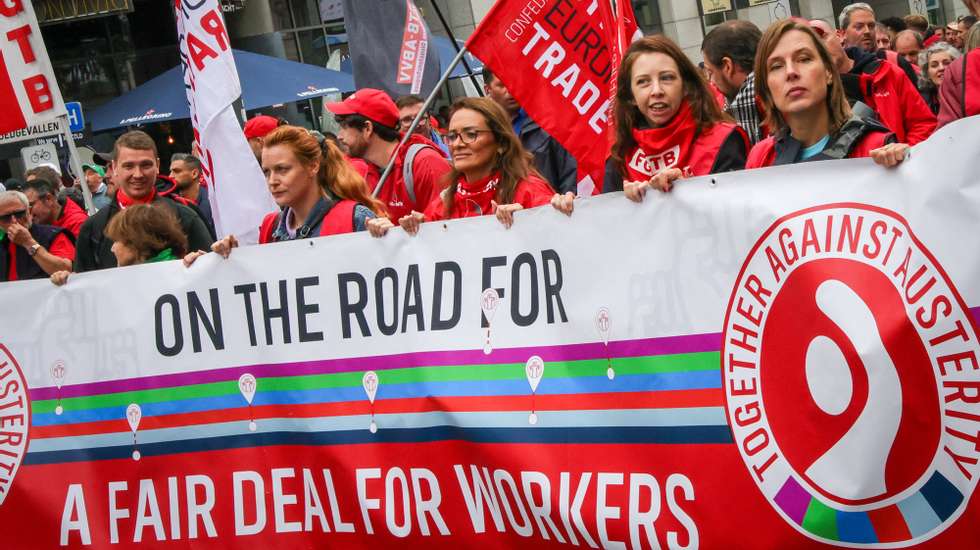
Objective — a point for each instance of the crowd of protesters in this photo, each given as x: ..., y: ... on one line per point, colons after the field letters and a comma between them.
x: 798, y: 91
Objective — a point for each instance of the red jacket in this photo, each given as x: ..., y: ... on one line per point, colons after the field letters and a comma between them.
x: 337, y: 221
x: 72, y: 217
x: 959, y: 96
x: 531, y: 192
x: 764, y: 153
x: 899, y: 104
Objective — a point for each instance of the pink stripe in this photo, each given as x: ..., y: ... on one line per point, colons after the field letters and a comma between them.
x: 573, y: 352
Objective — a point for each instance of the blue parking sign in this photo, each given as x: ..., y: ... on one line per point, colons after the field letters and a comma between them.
x: 76, y: 122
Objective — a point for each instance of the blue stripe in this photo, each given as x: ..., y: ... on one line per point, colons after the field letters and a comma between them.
x: 599, y: 435
x: 919, y: 515
x: 942, y: 495
x: 481, y: 388
x: 855, y: 527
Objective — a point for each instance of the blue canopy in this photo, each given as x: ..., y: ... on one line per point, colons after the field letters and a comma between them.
x: 265, y: 81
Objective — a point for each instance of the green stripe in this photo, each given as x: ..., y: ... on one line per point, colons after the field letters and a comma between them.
x: 690, y: 362
x: 821, y: 520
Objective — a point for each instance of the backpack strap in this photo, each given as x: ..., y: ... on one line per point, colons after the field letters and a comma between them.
x: 340, y: 219
x: 407, y: 175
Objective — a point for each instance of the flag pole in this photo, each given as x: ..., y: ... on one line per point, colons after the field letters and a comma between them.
x: 452, y: 38
x: 76, y: 164
x: 418, y: 117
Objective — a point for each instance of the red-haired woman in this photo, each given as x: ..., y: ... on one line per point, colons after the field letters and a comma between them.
x: 317, y: 190
x: 806, y: 106
x: 492, y: 173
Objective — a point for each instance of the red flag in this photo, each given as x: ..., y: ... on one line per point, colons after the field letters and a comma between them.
x: 556, y: 59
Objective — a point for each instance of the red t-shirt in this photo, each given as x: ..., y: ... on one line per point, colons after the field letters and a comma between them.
x: 72, y: 217
x: 60, y: 247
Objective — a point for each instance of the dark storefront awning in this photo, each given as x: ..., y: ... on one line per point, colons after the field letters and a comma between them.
x: 265, y: 81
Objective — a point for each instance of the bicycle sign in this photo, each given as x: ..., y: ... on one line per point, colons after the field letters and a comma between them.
x: 45, y: 153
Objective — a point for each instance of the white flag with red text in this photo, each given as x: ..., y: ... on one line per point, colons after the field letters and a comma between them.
x: 29, y: 93
x: 238, y: 193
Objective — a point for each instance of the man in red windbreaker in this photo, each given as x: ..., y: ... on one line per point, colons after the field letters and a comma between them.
x: 46, y: 209
x: 880, y: 85
x: 368, y: 122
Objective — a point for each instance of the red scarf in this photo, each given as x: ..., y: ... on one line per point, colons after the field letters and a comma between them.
x: 669, y: 146
x: 473, y: 199
x: 126, y: 201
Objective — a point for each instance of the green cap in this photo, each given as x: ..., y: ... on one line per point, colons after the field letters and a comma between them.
x: 95, y: 168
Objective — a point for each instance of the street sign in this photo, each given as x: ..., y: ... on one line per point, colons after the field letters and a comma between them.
x: 34, y: 156
x: 76, y: 121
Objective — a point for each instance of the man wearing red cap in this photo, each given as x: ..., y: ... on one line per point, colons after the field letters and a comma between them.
x: 255, y: 131
x: 368, y: 122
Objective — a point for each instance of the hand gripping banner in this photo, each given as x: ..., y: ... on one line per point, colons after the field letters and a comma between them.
x: 777, y: 358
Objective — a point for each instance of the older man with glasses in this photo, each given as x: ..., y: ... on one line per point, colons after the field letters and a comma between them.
x: 29, y: 250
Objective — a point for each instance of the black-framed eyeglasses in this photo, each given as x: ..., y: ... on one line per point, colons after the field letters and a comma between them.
x: 7, y: 218
x: 467, y: 136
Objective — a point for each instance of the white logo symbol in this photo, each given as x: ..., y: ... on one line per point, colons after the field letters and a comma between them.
x: 534, y: 370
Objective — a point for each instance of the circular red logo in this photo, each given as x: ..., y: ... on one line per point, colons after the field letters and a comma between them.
x: 851, y: 373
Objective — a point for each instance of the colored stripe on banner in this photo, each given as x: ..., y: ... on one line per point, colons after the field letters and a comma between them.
x: 600, y: 435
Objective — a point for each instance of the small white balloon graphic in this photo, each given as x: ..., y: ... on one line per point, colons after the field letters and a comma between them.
x: 247, y: 384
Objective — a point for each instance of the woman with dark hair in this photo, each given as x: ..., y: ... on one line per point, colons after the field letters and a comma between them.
x: 806, y: 106
x: 668, y: 123
x: 932, y: 65
x: 316, y: 189
x: 492, y: 173
x: 141, y: 234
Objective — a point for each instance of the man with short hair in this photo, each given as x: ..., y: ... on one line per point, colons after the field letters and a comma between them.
x: 368, y: 122
x: 29, y: 250
x: 135, y: 169
x: 185, y: 170
x: 46, y: 171
x: 408, y: 108
x: 859, y: 30
x: 255, y: 131
x: 881, y: 86
x: 963, y: 26
x: 555, y: 163
x: 47, y: 209
x: 908, y: 44
x: 95, y: 180
x: 729, y: 58
x: 917, y: 23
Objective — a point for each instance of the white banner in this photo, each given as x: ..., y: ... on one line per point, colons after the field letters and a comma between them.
x: 29, y: 93
x: 238, y: 194
x: 790, y: 353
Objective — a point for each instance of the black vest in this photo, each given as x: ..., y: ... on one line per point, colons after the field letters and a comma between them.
x: 27, y: 268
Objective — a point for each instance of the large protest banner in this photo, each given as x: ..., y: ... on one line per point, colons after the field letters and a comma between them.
x: 29, y: 94
x: 779, y: 358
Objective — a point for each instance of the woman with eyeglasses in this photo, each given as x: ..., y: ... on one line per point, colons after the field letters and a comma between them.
x: 492, y: 173
x: 806, y: 105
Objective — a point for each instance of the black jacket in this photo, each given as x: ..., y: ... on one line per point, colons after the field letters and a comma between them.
x: 94, y: 249
x: 27, y: 268
x: 556, y: 165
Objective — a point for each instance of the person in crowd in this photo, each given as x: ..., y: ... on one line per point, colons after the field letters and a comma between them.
x: 318, y: 192
x: 47, y: 209
x: 492, y: 172
x: 368, y: 122
x: 909, y: 44
x: 46, y: 171
x: 408, y: 108
x: 933, y: 63
x: 953, y: 35
x: 256, y: 128
x: 804, y: 98
x: 13, y: 184
x: 104, y: 160
x: 881, y: 86
x: 883, y: 38
x: 729, y: 56
x: 972, y: 39
x: 185, y: 170
x: 668, y: 125
x: 959, y: 95
x: 30, y: 250
x: 95, y: 181
x: 141, y: 234
x: 894, y: 25
x: 917, y: 23
x: 859, y: 30
x: 963, y: 26
x: 136, y: 171
x: 555, y: 164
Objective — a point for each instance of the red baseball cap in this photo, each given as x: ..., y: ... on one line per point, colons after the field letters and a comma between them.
x: 368, y: 102
x: 260, y: 126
